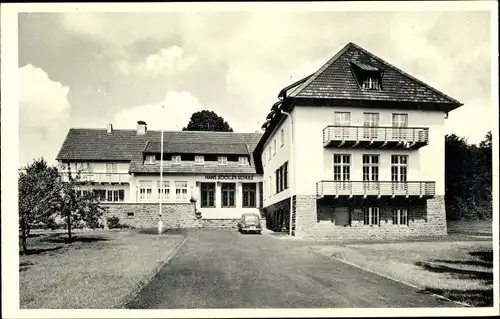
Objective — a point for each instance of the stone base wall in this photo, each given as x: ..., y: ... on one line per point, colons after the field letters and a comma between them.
x: 315, y: 218
x: 145, y: 215
x: 277, y: 215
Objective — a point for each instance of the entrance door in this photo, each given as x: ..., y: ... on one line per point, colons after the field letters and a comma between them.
x: 341, y: 216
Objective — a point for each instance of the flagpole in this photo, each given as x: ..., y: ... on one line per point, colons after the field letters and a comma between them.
x: 160, y: 221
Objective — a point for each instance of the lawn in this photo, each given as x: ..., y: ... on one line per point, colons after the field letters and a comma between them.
x: 100, y: 269
x: 459, y: 270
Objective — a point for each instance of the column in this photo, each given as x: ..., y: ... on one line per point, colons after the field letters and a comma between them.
x: 218, y: 195
x: 238, y: 202
x: 257, y: 195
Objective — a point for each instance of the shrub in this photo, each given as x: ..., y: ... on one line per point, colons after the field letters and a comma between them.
x: 113, y: 222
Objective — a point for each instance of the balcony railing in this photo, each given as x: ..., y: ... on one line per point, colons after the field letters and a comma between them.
x: 368, y: 188
x: 378, y: 137
x: 102, y: 178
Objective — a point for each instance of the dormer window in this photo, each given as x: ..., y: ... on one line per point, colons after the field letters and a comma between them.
x: 368, y: 76
x: 199, y: 160
x: 371, y: 83
x: 243, y: 160
x: 150, y: 159
x: 222, y: 160
x: 176, y: 159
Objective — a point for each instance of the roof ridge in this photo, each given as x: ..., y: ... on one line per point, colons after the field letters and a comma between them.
x: 158, y: 131
x: 320, y: 70
x: 404, y: 73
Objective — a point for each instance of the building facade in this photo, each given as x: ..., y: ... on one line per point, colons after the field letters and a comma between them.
x: 356, y: 150
x: 209, y: 178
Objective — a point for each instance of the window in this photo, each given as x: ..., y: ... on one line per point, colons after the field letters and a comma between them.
x: 84, y: 167
x: 181, y: 191
x: 341, y: 167
x: 145, y: 190
x: 274, y: 146
x: 249, y: 191
x: 269, y: 153
x: 163, y: 190
x: 243, y: 160
x: 129, y: 214
x: 264, y: 158
x: 111, y: 168
x: 399, y: 124
x: 285, y: 175
x: 399, y: 172
x: 277, y: 179
x: 400, y: 216
x: 228, y: 191
x: 115, y: 195
x: 371, y: 83
x: 207, y: 195
x: 150, y: 159
x: 222, y: 160
x: 282, y: 137
x: 371, y: 216
x: 176, y: 159
x: 199, y: 160
x: 101, y: 194
x: 371, y: 121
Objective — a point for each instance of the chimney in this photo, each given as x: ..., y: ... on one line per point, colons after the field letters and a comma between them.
x: 142, y: 127
x: 110, y: 128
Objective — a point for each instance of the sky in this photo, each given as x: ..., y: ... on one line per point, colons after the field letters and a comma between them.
x: 88, y: 69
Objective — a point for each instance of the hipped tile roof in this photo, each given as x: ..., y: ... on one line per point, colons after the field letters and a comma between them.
x: 197, y: 148
x: 335, y: 80
x: 127, y: 145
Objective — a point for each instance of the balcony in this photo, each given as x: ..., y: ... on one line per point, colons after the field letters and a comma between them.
x: 375, y: 137
x: 99, y: 178
x: 379, y: 189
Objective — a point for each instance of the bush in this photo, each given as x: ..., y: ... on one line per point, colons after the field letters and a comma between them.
x: 113, y: 222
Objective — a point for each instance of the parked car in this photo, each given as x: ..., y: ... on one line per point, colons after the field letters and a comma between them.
x: 249, y: 223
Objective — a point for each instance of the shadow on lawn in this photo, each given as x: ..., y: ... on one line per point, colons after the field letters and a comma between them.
x: 23, y: 266
x: 75, y: 239
x: 475, y: 297
x: 38, y: 251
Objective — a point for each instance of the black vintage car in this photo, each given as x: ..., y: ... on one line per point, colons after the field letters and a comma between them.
x: 249, y: 223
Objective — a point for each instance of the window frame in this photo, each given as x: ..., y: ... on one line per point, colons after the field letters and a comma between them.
x: 243, y: 160
x: 222, y: 160
x: 400, y: 215
x: 197, y: 160
x: 369, y: 215
x: 249, y: 193
x: 226, y: 191
x: 282, y: 137
x: 207, y: 195
x: 181, y: 195
x: 150, y: 162
x: 147, y: 186
x: 163, y: 192
x: 176, y: 159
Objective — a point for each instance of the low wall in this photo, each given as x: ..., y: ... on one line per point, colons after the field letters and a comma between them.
x: 174, y: 215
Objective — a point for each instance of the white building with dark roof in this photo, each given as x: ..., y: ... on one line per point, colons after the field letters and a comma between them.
x: 212, y: 173
x: 356, y: 150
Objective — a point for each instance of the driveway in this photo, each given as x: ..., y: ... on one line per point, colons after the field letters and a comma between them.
x: 224, y: 269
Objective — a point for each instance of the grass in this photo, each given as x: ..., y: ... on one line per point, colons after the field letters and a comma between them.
x: 459, y: 270
x: 99, y: 270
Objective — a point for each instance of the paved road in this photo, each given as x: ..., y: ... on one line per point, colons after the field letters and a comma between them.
x: 224, y: 269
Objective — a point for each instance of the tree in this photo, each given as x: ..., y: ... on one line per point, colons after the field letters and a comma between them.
x: 468, y: 178
x: 78, y: 206
x: 207, y: 121
x: 39, y: 196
